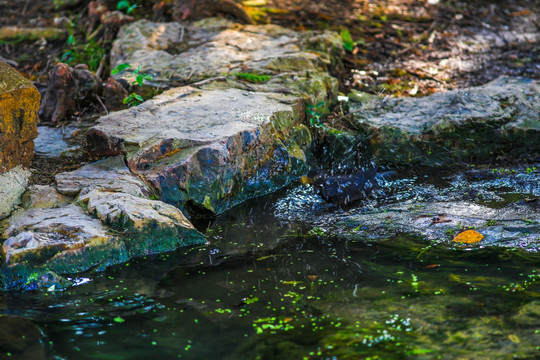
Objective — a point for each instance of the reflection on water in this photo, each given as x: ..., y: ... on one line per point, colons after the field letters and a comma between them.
x: 271, y: 288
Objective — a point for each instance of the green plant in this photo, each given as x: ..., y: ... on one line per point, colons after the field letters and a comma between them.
x: 316, y: 114
x: 252, y: 78
x: 88, y: 52
x: 139, y: 77
x: 133, y: 100
x: 348, y: 42
x: 126, y: 5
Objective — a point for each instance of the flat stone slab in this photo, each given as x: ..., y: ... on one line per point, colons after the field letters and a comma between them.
x: 51, y: 141
x: 503, y: 205
x: 177, y: 54
x: 497, y: 121
x: 209, y: 148
x: 110, y: 174
x: 64, y: 240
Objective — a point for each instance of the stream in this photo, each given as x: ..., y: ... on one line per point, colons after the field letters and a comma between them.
x: 275, y: 284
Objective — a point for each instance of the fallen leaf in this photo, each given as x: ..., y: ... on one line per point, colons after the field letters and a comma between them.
x: 514, y: 338
x: 312, y: 277
x: 468, y: 237
x: 521, y: 13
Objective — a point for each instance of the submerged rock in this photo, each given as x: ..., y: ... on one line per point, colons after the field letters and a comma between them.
x: 211, y: 149
x: 500, y: 120
x: 501, y: 205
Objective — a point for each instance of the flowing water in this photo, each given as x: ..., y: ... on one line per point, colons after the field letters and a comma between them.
x: 272, y: 287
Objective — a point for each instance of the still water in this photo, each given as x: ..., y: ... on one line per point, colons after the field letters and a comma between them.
x: 271, y: 288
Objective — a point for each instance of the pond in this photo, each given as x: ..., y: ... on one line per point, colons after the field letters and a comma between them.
x: 269, y: 286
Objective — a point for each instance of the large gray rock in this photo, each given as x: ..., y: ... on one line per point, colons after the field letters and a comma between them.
x: 149, y: 226
x: 64, y: 240
x: 177, y: 54
x: 211, y: 148
x: 500, y: 120
x: 12, y: 185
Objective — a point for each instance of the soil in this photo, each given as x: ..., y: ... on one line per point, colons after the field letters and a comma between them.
x: 396, y: 47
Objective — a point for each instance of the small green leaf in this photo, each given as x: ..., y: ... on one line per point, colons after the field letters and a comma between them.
x: 123, y: 4
x: 118, y: 319
x: 120, y: 67
x: 131, y: 8
x: 348, y: 42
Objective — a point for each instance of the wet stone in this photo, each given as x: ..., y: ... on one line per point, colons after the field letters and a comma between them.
x: 496, y: 121
x: 39, y: 237
x: 51, y: 141
x: 149, y: 226
x: 211, y: 148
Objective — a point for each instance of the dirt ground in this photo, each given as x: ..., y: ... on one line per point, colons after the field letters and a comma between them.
x: 397, y: 45
x: 394, y: 47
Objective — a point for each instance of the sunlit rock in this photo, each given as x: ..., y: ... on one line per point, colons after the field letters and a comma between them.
x: 176, y: 54
x: 148, y: 226
x: 209, y: 149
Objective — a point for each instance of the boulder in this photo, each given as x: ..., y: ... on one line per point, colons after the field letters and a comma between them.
x: 209, y: 149
x: 19, y: 103
x: 177, y: 54
x: 148, y: 226
x: 496, y: 121
x: 12, y: 185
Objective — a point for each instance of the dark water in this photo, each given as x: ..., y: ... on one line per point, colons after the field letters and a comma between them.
x: 269, y: 288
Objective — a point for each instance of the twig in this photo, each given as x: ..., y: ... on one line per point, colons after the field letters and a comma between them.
x: 101, y: 102
x: 10, y: 62
x: 25, y: 7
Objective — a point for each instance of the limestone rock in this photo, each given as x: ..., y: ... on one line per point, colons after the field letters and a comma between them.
x: 110, y: 174
x: 12, y: 185
x: 150, y: 226
x: 19, y: 103
x: 500, y: 120
x: 211, y: 148
x: 64, y: 240
x: 177, y: 54
x: 45, y: 197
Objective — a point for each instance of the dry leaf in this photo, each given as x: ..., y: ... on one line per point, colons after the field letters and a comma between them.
x: 468, y: 237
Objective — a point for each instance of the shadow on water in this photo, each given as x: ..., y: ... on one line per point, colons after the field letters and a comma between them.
x: 270, y: 286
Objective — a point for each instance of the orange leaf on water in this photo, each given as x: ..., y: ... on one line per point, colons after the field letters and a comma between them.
x: 468, y: 237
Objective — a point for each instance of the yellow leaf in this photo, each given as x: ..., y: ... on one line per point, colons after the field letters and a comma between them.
x: 468, y: 237
x: 514, y: 338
